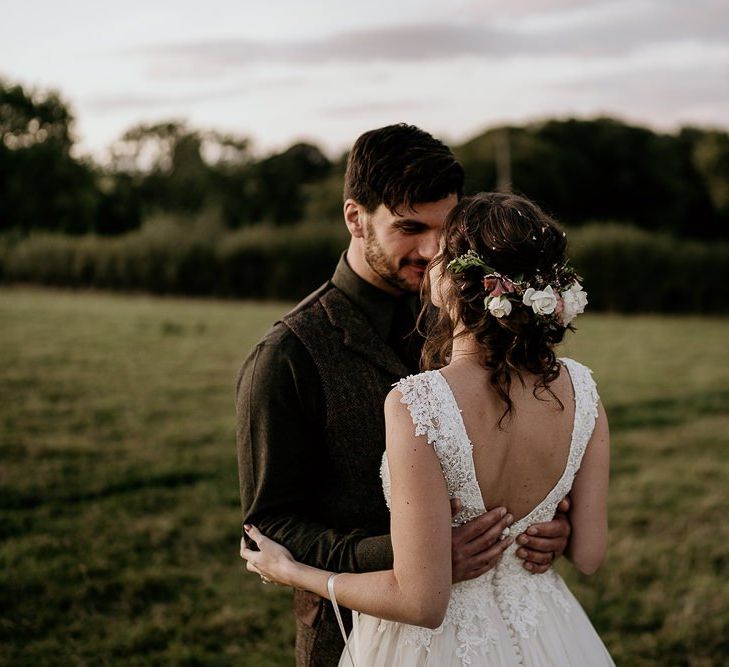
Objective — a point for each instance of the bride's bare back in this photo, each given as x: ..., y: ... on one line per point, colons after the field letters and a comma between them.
x: 518, y: 465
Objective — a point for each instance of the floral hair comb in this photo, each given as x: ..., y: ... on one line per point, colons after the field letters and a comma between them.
x: 557, y: 301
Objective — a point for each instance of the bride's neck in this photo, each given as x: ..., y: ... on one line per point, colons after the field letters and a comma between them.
x: 464, y: 346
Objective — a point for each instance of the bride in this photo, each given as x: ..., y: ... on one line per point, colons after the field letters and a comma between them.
x: 496, y: 420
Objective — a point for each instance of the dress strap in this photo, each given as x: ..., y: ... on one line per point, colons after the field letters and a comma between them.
x: 337, y: 613
x: 435, y: 413
x: 586, y: 404
x: 424, y: 406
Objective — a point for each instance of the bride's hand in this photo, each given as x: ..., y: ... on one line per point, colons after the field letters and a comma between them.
x: 272, y: 562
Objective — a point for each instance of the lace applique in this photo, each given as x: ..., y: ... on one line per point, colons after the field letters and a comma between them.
x: 436, y: 415
x: 586, y: 401
x: 470, y: 609
x: 519, y: 596
x: 516, y: 593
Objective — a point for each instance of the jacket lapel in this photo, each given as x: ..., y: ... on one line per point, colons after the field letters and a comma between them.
x: 358, y: 333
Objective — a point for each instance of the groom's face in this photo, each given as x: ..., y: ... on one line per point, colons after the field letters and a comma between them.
x: 399, y: 246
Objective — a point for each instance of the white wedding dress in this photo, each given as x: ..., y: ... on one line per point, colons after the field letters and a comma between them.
x: 507, y: 616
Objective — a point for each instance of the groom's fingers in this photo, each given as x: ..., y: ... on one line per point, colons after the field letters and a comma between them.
x: 485, y: 541
x: 564, y: 505
x: 485, y: 561
x: 487, y: 535
x: 478, y: 526
x: 542, y: 543
x: 539, y: 544
x: 536, y: 557
x: 556, y: 528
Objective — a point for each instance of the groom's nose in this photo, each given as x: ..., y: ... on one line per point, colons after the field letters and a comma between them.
x: 428, y: 244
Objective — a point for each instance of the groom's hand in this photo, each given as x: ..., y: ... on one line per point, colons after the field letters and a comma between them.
x: 476, y: 547
x: 543, y: 543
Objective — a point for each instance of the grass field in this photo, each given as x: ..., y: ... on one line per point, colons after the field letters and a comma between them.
x: 119, y: 515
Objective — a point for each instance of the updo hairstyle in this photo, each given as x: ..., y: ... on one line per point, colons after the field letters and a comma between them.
x: 513, y: 236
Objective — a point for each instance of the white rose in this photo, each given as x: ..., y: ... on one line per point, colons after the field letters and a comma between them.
x: 542, y: 302
x: 580, y: 295
x: 570, y: 307
x: 575, y: 300
x: 498, y: 306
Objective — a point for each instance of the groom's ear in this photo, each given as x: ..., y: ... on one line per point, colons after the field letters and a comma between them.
x: 354, y: 216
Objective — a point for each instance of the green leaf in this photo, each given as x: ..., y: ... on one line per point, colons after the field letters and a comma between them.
x: 468, y: 260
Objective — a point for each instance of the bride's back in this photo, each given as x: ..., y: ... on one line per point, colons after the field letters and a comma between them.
x: 518, y: 464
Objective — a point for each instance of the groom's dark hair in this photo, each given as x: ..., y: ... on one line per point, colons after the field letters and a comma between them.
x: 400, y: 166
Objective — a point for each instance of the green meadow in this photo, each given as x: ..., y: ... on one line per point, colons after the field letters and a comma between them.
x: 119, y: 510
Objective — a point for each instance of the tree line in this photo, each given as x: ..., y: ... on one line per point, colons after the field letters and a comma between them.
x: 580, y: 170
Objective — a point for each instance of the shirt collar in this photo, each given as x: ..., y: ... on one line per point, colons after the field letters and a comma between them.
x: 377, y: 305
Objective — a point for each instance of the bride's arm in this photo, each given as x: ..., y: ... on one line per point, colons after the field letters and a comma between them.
x: 588, y: 543
x: 416, y: 591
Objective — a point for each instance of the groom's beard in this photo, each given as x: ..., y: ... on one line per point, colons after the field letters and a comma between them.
x: 387, y: 268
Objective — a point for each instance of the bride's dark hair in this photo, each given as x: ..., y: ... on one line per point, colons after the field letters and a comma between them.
x: 513, y: 236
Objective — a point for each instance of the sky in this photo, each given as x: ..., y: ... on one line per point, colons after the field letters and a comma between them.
x: 279, y: 71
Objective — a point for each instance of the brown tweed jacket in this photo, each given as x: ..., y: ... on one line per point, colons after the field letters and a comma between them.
x: 318, y: 490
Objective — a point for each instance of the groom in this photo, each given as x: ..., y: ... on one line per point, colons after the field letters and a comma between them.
x: 310, y: 420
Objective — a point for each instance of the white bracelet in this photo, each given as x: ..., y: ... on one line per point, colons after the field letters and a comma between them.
x: 333, y: 598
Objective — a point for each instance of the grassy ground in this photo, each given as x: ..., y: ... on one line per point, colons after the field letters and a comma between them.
x: 119, y: 501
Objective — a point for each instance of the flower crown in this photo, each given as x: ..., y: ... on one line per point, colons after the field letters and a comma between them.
x: 557, y: 301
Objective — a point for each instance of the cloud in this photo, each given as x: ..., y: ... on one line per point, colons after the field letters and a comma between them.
x: 530, y: 6
x: 127, y: 101
x: 140, y: 101
x: 629, y: 28
x: 369, y: 108
x: 525, y: 9
x: 405, y: 43
x: 669, y: 94
x: 648, y: 24
x: 687, y: 84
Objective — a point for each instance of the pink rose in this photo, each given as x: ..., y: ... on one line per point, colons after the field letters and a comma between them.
x: 496, y: 285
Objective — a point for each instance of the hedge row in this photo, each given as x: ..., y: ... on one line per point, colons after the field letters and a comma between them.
x: 633, y: 271
x: 625, y: 269
x: 259, y: 263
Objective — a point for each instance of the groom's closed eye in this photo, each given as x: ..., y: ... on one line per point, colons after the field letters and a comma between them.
x: 410, y: 226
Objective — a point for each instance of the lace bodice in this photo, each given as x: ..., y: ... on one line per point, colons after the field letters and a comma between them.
x: 514, y: 591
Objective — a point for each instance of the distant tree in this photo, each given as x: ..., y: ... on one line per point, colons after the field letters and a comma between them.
x: 580, y: 170
x: 605, y: 170
x: 324, y: 197
x: 165, y: 162
x: 120, y: 206
x: 276, y: 184
x: 709, y: 154
x: 178, y: 169
x: 42, y: 185
x: 230, y: 162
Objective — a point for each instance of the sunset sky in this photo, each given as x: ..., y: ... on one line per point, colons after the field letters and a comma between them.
x: 325, y: 71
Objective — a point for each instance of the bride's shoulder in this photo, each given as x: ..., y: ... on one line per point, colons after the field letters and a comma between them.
x: 417, y: 382
x: 415, y: 399
x: 573, y: 365
x: 581, y: 376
